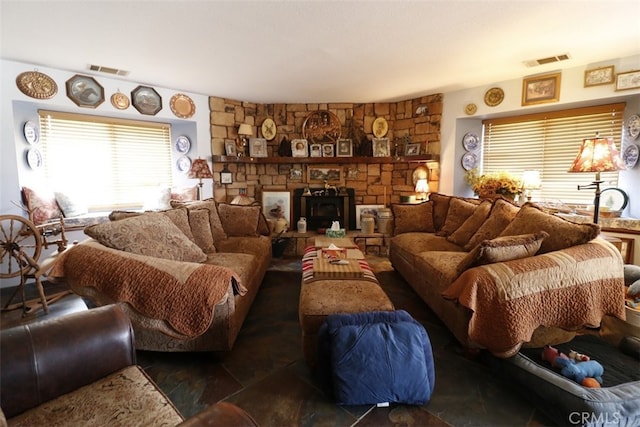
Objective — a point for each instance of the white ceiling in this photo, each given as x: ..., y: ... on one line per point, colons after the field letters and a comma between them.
x: 317, y: 51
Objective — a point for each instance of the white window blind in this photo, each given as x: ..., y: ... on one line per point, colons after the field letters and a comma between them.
x: 110, y: 163
x: 549, y: 142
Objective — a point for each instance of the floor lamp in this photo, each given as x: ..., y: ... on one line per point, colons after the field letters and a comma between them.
x: 597, y: 155
x: 200, y: 170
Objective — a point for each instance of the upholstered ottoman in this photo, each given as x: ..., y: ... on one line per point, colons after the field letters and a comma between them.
x: 319, y: 298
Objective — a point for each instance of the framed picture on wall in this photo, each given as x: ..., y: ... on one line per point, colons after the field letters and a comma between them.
x: 599, y: 76
x: 85, y: 91
x: 541, y: 89
x: 146, y: 100
x: 366, y: 209
x: 319, y: 174
x: 628, y: 80
x: 277, y: 204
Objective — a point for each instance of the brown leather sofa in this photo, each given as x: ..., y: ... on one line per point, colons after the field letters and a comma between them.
x: 80, y: 369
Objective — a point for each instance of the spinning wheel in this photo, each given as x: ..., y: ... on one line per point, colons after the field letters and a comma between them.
x: 21, y: 243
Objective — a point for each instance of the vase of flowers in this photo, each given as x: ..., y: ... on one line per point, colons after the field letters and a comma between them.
x: 495, y: 184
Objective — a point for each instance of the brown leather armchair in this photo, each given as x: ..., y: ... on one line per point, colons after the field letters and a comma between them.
x: 81, y: 369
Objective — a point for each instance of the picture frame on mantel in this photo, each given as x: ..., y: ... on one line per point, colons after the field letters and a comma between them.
x: 541, y: 89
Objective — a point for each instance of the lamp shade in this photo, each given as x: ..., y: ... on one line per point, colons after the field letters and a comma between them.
x: 597, y: 155
x: 531, y: 180
x: 245, y: 129
x: 422, y: 186
x: 200, y: 169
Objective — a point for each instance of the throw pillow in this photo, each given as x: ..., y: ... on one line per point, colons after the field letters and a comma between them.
x: 503, y: 249
x: 180, y: 217
x: 70, y: 205
x: 118, y: 215
x: 41, y: 204
x: 151, y: 234
x: 201, y: 229
x: 413, y: 218
x: 440, y: 208
x: 458, y: 212
x: 502, y: 213
x: 468, y: 228
x: 157, y: 199
x: 239, y: 220
x: 562, y: 233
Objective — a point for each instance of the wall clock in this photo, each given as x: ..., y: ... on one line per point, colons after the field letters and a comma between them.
x: 268, y: 129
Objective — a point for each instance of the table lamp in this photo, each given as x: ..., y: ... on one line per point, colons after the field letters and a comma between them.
x: 200, y: 170
x: 244, y: 132
x: 530, y: 181
x: 422, y: 188
x: 597, y: 155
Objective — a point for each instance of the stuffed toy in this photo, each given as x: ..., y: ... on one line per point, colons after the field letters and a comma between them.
x: 578, y: 357
x: 578, y: 371
x: 550, y: 354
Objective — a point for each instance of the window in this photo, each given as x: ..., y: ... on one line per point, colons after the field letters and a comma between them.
x: 549, y: 142
x: 111, y: 163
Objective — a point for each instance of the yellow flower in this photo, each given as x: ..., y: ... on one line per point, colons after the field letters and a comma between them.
x: 496, y: 183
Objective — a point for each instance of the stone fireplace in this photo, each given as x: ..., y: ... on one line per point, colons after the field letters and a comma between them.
x: 323, y: 207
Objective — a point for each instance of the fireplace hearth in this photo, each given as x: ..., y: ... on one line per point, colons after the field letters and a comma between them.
x: 323, y: 207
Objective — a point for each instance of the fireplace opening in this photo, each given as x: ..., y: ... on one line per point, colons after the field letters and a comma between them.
x: 322, y: 207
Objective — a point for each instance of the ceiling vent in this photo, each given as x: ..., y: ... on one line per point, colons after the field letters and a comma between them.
x: 108, y: 70
x: 549, y: 60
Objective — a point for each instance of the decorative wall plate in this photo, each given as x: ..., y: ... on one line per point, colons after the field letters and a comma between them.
x: 31, y: 132
x: 380, y: 127
x: 321, y: 126
x: 493, y: 96
x: 633, y: 126
x: 120, y: 101
x: 469, y: 161
x: 34, y: 158
x: 184, y: 164
x: 630, y: 155
x: 183, y: 144
x: 470, y: 109
x: 182, y: 106
x: 268, y: 129
x: 36, y: 85
x: 146, y: 100
x: 470, y: 141
x: 613, y: 198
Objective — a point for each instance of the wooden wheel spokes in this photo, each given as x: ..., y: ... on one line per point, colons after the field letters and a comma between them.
x: 18, y: 237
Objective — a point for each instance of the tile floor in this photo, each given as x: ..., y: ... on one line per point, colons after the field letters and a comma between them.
x: 265, y: 373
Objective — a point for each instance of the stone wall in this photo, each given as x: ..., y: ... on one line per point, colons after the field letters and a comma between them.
x: 411, y: 121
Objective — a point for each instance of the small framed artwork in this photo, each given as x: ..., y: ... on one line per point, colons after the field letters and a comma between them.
x: 628, y: 80
x: 230, y: 148
x: 315, y: 150
x: 412, y: 150
x: 85, y: 91
x: 299, y: 148
x: 258, y: 147
x: 277, y: 204
x: 295, y: 174
x: 146, y: 100
x: 381, y: 147
x: 541, y: 89
x: 345, y: 148
x: 599, y: 76
x: 327, y: 150
x: 366, y: 209
x: 319, y: 174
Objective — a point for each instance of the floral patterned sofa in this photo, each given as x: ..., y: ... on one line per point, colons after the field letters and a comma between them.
x: 500, y: 276
x: 186, y: 276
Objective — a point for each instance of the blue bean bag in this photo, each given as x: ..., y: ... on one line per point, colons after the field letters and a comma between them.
x: 374, y: 358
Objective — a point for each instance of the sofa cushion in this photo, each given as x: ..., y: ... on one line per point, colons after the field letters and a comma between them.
x: 413, y: 218
x: 501, y: 249
x: 440, y: 208
x: 214, y: 219
x: 151, y: 234
x: 239, y: 220
x: 501, y: 214
x: 201, y: 229
x: 562, y: 233
x: 459, y: 211
x: 468, y: 228
x: 180, y: 217
x: 118, y: 215
x: 441, y: 267
x: 41, y: 204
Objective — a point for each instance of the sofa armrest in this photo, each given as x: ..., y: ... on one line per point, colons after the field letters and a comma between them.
x: 43, y: 360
